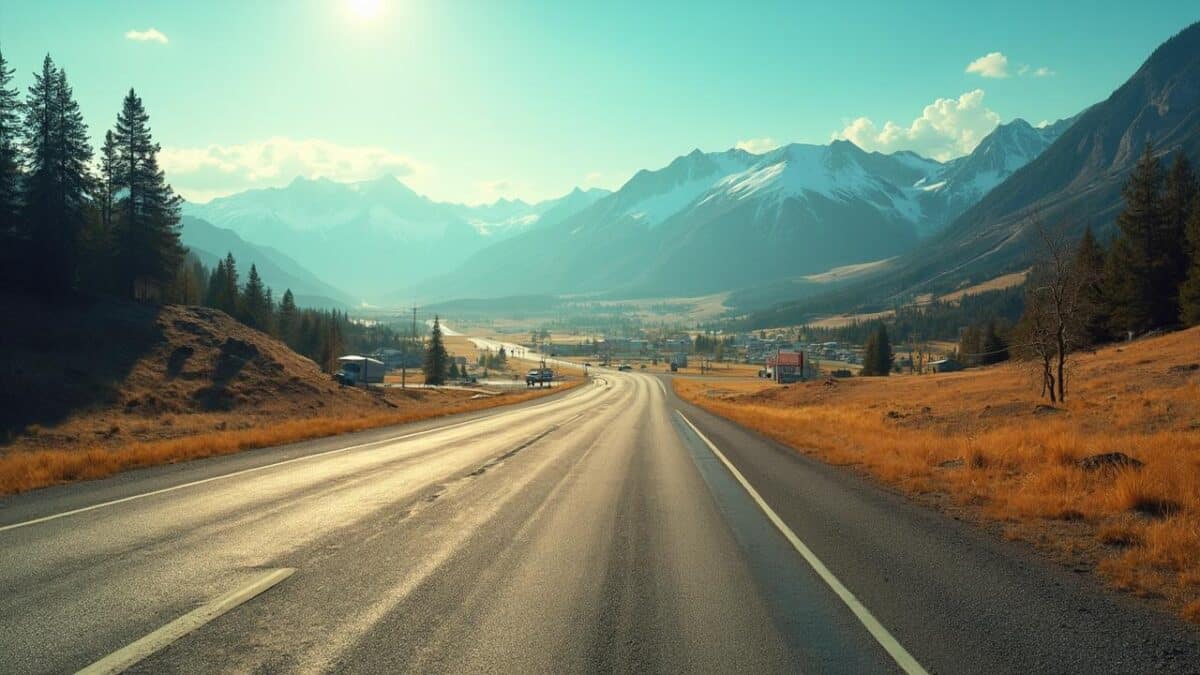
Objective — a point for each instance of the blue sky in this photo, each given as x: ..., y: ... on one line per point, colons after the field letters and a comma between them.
x: 473, y: 100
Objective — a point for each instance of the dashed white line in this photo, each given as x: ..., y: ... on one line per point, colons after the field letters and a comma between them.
x: 127, y: 656
x: 885, y: 639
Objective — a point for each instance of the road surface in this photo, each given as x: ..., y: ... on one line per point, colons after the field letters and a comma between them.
x: 608, y: 528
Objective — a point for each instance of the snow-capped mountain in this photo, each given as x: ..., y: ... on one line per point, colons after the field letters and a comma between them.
x: 962, y: 182
x: 716, y: 221
x: 375, y: 236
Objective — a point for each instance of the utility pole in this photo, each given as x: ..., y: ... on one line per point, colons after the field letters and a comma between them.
x: 404, y: 354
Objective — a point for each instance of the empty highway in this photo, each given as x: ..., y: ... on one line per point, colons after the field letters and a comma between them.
x: 608, y: 528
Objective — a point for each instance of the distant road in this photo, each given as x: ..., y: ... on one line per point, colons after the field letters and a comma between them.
x: 446, y: 330
x: 609, y: 528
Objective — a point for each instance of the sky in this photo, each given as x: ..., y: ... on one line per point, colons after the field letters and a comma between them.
x: 474, y: 100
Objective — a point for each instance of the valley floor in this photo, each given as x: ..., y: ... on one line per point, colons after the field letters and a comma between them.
x: 982, y: 445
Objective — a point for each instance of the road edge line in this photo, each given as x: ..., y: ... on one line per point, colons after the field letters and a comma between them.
x: 885, y: 639
x: 129, y: 655
x: 253, y: 469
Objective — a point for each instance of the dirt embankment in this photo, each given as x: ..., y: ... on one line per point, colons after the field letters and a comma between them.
x: 983, y: 445
x: 91, y: 387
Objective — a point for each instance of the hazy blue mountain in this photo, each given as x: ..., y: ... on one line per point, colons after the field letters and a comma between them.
x: 718, y: 221
x: 277, y: 270
x: 376, y: 236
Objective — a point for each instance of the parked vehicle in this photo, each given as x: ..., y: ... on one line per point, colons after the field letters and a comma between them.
x: 624, y: 366
x: 539, y: 376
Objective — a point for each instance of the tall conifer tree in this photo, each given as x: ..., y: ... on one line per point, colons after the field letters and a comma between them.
x: 435, y: 355
x: 57, y: 184
x: 148, y: 212
x: 287, y: 316
x: 1189, y: 292
x: 1135, y: 269
x: 10, y: 161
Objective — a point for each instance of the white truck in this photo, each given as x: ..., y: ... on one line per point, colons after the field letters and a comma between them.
x: 359, y: 370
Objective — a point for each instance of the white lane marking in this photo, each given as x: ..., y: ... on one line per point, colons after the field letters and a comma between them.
x: 661, y: 386
x: 127, y: 656
x: 202, y: 481
x: 885, y: 639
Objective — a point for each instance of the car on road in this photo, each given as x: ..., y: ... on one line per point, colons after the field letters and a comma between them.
x: 624, y: 367
x: 539, y: 376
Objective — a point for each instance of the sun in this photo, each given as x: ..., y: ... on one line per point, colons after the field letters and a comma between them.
x: 365, y: 9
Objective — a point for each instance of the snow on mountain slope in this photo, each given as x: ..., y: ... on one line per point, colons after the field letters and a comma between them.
x: 964, y: 181
x: 832, y: 171
x: 716, y: 221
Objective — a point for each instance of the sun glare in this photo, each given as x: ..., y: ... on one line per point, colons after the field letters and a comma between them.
x: 365, y: 9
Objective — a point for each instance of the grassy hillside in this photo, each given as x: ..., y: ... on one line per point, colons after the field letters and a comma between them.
x: 981, y: 444
x: 93, y: 387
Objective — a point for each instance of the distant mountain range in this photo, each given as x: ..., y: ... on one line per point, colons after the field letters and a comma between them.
x: 279, y: 272
x: 718, y: 221
x: 376, y: 236
x: 1075, y: 183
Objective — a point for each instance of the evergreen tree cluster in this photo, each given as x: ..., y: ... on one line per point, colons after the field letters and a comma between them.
x: 877, y: 353
x: 1149, y: 277
x: 985, y: 343
x: 66, y: 224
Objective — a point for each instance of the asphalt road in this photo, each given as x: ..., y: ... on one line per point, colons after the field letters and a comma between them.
x: 597, y: 530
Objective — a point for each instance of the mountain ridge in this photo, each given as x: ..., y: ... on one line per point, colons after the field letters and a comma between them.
x: 813, y: 207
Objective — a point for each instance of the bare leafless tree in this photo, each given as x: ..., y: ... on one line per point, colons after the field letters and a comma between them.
x: 1051, y: 328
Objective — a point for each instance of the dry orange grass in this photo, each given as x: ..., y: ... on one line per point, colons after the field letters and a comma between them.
x: 30, y: 469
x: 978, y: 443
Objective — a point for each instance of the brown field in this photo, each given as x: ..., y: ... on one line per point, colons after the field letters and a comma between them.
x: 983, y: 445
x: 198, y: 436
x: 997, y: 284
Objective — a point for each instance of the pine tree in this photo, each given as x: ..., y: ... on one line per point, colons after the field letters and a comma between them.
x: 884, y: 356
x: 877, y: 353
x: 10, y: 161
x: 147, y: 229
x: 452, y: 372
x: 1189, y: 291
x: 216, y: 284
x: 229, y: 293
x: 435, y: 356
x: 57, y: 183
x: 1136, y: 268
x: 107, y: 188
x: 254, y: 302
x: 287, y: 317
x: 1178, y: 197
x: 1094, y: 317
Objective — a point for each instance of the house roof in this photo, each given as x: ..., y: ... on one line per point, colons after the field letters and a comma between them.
x: 790, y: 359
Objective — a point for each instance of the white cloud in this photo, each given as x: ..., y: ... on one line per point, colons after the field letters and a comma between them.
x: 757, y: 146
x: 947, y: 128
x: 1043, y: 72
x: 148, y: 35
x: 994, y: 64
x: 199, y: 174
